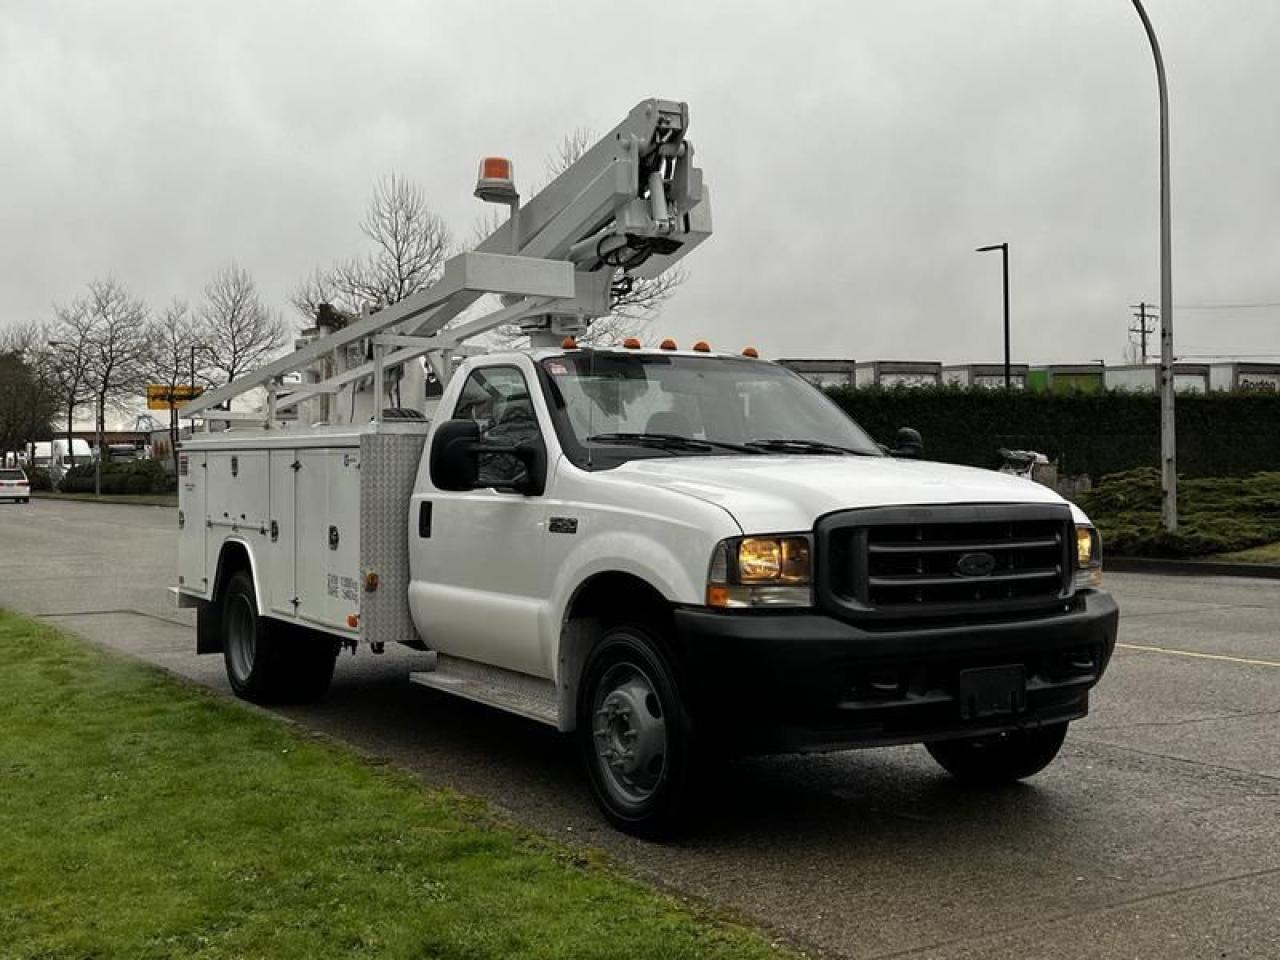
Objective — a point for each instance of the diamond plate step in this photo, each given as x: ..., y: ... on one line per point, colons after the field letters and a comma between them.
x: 517, y: 693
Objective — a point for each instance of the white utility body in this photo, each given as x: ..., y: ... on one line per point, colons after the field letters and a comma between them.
x: 671, y: 552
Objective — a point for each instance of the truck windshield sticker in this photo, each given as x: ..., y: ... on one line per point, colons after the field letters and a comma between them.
x: 557, y: 368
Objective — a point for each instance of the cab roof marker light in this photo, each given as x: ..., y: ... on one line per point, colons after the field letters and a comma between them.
x: 751, y: 352
x: 568, y: 343
x: 631, y: 343
x: 668, y: 344
x: 702, y: 347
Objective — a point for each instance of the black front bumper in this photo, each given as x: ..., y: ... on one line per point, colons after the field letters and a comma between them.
x: 778, y: 682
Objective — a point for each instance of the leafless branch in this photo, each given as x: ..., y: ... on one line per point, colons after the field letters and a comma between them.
x: 410, y: 246
x: 239, y: 332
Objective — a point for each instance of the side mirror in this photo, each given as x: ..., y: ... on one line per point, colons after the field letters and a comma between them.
x: 454, y: 463
x: 907, y: 444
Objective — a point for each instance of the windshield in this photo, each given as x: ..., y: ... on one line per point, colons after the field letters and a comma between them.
x: 678, y: 405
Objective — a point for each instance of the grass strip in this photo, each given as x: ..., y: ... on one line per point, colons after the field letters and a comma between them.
x: 145, y: 818
x: 1269, y: 553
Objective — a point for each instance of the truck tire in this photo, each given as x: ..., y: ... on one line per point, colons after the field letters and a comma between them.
x: 635, y: 734
x: 268, y: 661
x: 1001, y: 758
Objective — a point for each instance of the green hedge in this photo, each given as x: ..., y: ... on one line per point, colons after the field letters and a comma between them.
x: 132, y: 476
x: 1219, y: 434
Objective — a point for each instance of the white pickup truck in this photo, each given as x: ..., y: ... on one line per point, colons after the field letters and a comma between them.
x: 672, y: 553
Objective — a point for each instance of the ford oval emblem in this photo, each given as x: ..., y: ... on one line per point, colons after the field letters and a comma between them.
x: 976, y: 565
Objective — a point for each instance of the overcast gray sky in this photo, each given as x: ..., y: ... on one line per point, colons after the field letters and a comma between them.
x: 857, y: 153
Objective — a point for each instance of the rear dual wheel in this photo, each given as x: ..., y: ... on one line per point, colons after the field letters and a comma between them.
x: 269, y: 661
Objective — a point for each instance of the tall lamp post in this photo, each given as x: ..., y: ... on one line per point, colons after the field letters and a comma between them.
x: 1004, y: 257
x: 1168, y: 445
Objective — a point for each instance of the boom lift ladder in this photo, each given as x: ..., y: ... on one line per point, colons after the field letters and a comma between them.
x: 630, y: 207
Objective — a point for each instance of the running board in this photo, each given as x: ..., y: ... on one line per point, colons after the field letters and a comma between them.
x: 517, y: 693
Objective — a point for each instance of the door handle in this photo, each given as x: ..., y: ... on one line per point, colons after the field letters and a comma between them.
x: 424, y: 519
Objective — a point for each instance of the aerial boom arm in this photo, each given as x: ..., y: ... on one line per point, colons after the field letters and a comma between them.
x: 632, y: 203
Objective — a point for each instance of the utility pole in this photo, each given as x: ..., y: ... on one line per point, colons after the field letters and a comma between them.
x: 1168, y: 443
x: 1142, y: 330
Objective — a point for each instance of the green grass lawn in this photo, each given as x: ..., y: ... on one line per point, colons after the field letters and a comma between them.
x: 1267, y: 554
x: 140, y: 499
x: 141, y: 817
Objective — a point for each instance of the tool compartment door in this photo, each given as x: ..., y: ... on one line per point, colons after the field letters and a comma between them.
x: 281, y: 551
x: 327, y: 535
x: 192, y: 571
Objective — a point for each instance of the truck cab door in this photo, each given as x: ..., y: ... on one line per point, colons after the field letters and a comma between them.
x: 478, y: 583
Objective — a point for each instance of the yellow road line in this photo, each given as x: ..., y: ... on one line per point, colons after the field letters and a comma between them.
x: 1199, y: 656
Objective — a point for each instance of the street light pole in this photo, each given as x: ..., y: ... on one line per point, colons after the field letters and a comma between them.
x: 1004, y: 257
x: 1168, y: 440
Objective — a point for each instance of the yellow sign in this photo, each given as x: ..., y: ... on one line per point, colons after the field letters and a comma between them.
x: 161, y: 396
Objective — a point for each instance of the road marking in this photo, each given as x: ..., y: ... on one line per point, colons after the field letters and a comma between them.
x: 1199, y: 656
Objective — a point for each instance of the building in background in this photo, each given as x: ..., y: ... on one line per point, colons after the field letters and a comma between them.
x: 1245, y: 377
x: 823, y: 373
x: 1145, y: 377
x: 1067, y: 378
x: 897, y: 373
x: 988, y: 375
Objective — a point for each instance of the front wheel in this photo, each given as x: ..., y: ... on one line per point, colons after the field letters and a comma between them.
x: 635, y: 734
x: 1002, y: 757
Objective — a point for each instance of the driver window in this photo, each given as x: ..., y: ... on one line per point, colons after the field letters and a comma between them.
x: 498, y: 400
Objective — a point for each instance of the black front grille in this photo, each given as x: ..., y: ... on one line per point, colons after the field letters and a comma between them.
x: 946, y: 561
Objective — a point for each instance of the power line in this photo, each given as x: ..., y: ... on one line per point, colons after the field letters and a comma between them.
x: 1270, y: 305
x: 1228, y: 356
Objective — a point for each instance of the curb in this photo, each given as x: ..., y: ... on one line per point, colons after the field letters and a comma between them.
x: 1191, y: 568
x: 42, y: 495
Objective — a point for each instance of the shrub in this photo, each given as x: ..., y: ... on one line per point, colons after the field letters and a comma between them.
x: 128, y: 477
x: 1215, y: 514
x: 38, y: 477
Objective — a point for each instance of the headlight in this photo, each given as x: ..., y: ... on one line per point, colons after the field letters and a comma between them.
x: 1088, y: 557
x: 761, y: 572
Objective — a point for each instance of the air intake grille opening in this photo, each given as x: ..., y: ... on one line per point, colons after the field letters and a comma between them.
x: 917, y: 563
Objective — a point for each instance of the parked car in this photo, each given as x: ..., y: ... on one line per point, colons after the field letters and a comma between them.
x: 14, y: 485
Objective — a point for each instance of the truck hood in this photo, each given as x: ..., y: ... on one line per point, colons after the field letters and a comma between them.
x: 778, y: 494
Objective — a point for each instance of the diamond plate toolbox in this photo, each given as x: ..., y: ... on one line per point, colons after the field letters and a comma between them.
x: 388, y: 468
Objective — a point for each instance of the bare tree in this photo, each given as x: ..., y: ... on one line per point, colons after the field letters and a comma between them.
x: 115, y: 345
x: 239, y: 332
x: 67, y: 346
x: 410, y: 246
x: 171, y: 358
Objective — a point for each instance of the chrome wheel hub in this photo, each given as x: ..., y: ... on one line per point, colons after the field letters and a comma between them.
x: 630, y: 733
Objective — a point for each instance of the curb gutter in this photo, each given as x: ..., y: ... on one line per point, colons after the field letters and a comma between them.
x: 1192, y: 568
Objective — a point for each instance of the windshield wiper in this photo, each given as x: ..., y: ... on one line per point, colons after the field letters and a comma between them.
x: 807, y: 446
x: 670, y: 441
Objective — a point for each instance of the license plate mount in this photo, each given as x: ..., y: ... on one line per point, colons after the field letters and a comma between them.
x: 992, y: 691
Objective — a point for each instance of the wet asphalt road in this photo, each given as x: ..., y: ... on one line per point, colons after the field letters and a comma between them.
x: 1155, y: 834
